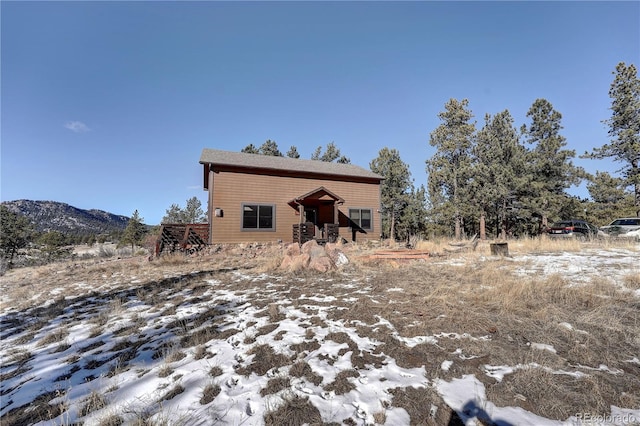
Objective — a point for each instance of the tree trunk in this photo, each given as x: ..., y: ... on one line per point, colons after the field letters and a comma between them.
x: 637, y: 191
x: 543, y: 223
x: 503, y: 220
x: 392, y: 235
x: 483, y: 226
x: 636, y: 186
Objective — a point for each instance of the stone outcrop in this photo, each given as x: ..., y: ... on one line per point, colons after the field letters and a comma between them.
x: 313, y: 256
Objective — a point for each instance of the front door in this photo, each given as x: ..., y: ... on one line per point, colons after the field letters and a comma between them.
x: 311, y: 215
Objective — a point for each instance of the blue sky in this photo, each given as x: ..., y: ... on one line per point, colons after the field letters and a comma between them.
x: 108, y: 105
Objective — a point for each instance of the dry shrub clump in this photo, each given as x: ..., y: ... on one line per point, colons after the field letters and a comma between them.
x: 303, y: 369
x: 341, y: 384
x: 425, y: 406
x: 40, y: 409
x: 632, y: 281
x: 94, y: 402
x: 276, y: 385
x: 295, y: 410
x: 209, y: 393
x: 175, y: 391
x: 170, y: 260
x: 264, y: 360
x: 56, y: 336
x: 215, y: 371
x: 111, y: 420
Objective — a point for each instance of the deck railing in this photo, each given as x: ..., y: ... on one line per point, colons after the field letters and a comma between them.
x: 186, y: 237
x: 303, y: 232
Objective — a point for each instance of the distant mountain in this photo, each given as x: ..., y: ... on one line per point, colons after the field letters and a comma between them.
x: 54, y: 216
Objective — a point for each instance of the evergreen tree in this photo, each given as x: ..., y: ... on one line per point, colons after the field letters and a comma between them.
x: 449, y: 169
x: 54, y: 245
x: 550, y: 170
x: 394, y: 187
x: 413, y: 219
x: 498, y: 168
x: 293, y: 152
x: 134, y: 232
x: 250, y: 149
x: 269, y: 147
x: 332, y: 153
x: 192, y: 213
x: 610, y: 200
x: 15, y: 233
x: 173, y: 215
x: 624, y: 128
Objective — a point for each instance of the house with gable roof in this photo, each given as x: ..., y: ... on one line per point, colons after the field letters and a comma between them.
x: 260, y: 198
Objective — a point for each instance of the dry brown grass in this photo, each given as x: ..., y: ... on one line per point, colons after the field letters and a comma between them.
x: 111, y: 420
x: 39, y: 410
x: 94, y: 402
x: 276, y: 385
x: 209, y: 393
x: 303, y: 369
x: 295, y: 410
x: 175, y: 391
x: 341, y: 384
x: 487, y: 299
x: 264, y: 360
x: 425, y: 407
x: 479, y: 308
x: 55, y: 336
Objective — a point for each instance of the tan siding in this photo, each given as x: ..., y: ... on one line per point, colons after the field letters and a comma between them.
x: 231, y: 190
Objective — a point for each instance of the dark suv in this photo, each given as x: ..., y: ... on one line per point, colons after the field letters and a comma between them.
x: 572, y: 229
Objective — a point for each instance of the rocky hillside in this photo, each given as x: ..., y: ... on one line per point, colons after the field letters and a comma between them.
x: 56, y: 216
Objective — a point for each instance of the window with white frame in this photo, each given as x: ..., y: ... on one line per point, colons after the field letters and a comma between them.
x: 258, y: 217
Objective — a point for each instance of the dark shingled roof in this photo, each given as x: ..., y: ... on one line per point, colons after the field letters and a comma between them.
x: 258, y: 161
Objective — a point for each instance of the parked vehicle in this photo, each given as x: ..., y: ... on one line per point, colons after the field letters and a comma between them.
x: 579, y: 229
x: 621, y: 227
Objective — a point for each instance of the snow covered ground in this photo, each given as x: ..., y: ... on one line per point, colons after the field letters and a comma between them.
x: 233, y: 347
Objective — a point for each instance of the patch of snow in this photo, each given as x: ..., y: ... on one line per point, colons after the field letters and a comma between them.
x: 467, y: 397
x: 543, y: 347
x: 446, y: 365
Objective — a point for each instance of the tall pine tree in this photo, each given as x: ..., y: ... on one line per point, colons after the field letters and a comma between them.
x: 394, y: 187
x: 449, y: 170
x: 413, y: 220
x: 15, y: 233
x: 550, y: 169
x: 332, y: 153
x: 499, y: 164
x: 609, y: 198
x: 134, y: 232
x: 269, y: 147
x: 624, y: 128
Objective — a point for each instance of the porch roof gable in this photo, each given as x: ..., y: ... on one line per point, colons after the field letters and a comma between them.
x: 317, y: 194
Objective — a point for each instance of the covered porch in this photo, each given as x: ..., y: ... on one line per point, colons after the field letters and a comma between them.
x: 319, y: 216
